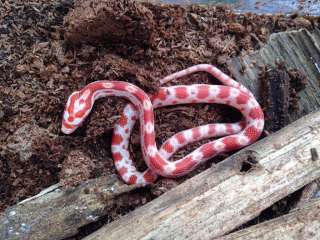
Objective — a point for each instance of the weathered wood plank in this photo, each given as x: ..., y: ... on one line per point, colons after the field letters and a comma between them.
x: 57, y: 213
x: 302, y: 223
x: 207, y: 206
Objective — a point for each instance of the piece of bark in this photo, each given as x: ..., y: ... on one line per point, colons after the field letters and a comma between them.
x: 301, y: 223
x: 276, y: 98
x: 223, y: 198
x: 56, y: 213
x: 124, y: 21
x: 296, y: 50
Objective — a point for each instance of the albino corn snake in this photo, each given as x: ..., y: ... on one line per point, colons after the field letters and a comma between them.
x: 233, y: 136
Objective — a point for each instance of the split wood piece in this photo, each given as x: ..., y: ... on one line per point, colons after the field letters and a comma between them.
x: 57, y: 214
x: 302, y: 223
x: 297, y: 50
x: 221, y: 199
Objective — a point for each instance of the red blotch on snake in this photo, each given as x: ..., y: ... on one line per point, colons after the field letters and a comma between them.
x: 161, y: 95
x: 117, y: 156
x: 168, y: 147
x: 148, y: 138
x: 116, y: 139
x: 123, y: 171
x: 123, y: 121
x: 132, y: 179
x: 231, y: 143
x: 180, y: 138
x: 149, y: 176
x: 208, y: 150
x: 252, y: 133
x: 203, y: 92
x: 184, y: 166
x: 229, y: 128
x: 224, y: 92
x: 242, y: 98
x: 148, y: 117
x: 181, y: 92
x: 157, y: 163
x: 256, y: 113
x: 196, y: 133
x: 212, y: 130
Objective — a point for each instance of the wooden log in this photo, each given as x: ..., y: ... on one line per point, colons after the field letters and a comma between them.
x: 222, y: 198
x: 56, y: 213
x: 302, y: 223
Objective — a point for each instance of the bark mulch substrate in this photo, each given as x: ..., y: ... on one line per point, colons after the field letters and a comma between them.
x: 44, y: 57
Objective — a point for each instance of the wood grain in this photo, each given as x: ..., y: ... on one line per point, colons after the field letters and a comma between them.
x: 302, y: 223
x: 222, y: 198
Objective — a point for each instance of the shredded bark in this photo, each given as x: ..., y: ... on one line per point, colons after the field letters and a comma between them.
x: 49, y: 49
x: 77, y: 167
x: 110, y: 22
x: 280, y: 98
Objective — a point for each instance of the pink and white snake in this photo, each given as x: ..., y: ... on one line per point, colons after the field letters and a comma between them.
x: 233, y: 135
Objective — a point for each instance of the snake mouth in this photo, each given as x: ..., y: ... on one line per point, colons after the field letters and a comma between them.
x: 67, y: 128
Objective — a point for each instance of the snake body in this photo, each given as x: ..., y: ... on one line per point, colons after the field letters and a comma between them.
x: 233, y: 136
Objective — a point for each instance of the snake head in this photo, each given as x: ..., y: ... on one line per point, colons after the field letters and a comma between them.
x: 78, y: 107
